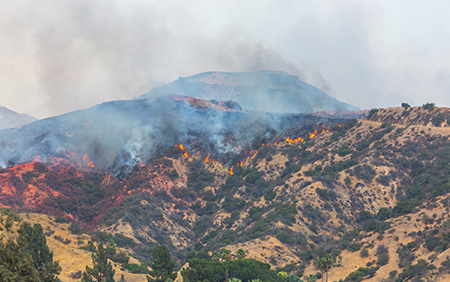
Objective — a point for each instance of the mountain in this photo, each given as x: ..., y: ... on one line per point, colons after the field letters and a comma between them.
x: 271, y: 91
x: 115, y: 136
x: 10, y: 119
x: 371, y: 191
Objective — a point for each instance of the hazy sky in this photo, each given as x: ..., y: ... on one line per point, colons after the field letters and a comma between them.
x: 59, y: 56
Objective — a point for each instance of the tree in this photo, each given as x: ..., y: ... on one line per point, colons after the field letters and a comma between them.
x: 293, y: 278
x: 241, y: 253
x: 162, y: 266
x: 215, y: 256
x: 33, y: 240
x: 320, y: 264
x: 102, y: 270
x: 281, y: 276
x: 225, y: 254
x: 311, y: 278
x: 405, y: 105
x: 15, y: 263
x: 328, y: 263
x: 324, y: 264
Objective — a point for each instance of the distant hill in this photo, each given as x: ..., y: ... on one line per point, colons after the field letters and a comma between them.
x: 10, y: 119
x: 271, y: 91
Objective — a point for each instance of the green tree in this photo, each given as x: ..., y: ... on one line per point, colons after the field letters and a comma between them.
x: 15, y: 263
x: 311, y: 278
x: 102, y: 270
x: 162, y: 266
x: 241, y: 253
x: 328, y: 263
x: 215, y: 256
x: 33, y: 240
x: 225, y: 254
x: 293, y: 278
x: 281, y: 276
x: 324, y: 264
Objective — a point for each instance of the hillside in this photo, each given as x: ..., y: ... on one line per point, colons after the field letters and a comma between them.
x: 10, y: 119
x: 272, y: 91
x: 372, y: 192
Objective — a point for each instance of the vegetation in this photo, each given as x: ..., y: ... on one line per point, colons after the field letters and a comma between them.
x: 102, y: 270
x: 162, y: 266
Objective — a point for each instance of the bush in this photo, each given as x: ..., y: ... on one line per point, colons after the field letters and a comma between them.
x: 353, y: 247
x: 405, y: 105
x: 76, y: 229
x: 428, y: 106
x: 364, y: 253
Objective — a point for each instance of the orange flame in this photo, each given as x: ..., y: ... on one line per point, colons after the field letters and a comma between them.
x: 231, y: 170
x: 186, y: 155
x: 247, y: 159
x: 73, y: 154
x: 84, y: 158
x: 242, y: 163
x: 140, y: 163
x: 90, y: 164
x: 207, y: 159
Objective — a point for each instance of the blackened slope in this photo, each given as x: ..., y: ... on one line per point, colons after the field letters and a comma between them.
x: 271, y: 91
x: 124, y: 133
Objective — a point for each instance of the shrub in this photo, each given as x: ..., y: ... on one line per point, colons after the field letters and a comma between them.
x: 353, y: 247
x: 364, y: 253
x: 76, y: 229
x: 405, y: 105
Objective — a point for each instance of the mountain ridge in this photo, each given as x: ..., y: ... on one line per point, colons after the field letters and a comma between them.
x: 272, y: 91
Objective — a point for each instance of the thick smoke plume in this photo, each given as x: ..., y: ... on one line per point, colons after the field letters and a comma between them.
x: 75, y: 54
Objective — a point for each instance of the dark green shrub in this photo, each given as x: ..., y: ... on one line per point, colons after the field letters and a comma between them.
x: 364, y: 253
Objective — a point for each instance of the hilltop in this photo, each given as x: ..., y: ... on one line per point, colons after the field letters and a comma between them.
x: 272, y: 91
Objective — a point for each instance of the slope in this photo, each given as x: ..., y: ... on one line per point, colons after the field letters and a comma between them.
x: 271, y: 91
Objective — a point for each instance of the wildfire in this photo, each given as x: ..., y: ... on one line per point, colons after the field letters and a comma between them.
x: 140, y: 163
x: 73, y: 154
x: 298, y: 139
x: 90, y: 164
x: 231, y: 170
x: 182, y: 148
x: 311, y: 135
x: 207, y: 159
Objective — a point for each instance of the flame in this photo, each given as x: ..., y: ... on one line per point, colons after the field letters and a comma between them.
x: 231, y: 170
x: 140, y: 163
x: 186, y: 155
x: 90, y: 164
x: 207, y: 159
x: 275, y: 142
x: 247, y: 159
x: 73, y: 154
x: 242, y: 163
x: 181, y: 147
x: 311, y: 135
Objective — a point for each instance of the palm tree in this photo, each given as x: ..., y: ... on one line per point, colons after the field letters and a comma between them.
x: 225, y: 254
x: 215, y: 256
x: 241, y: 253
x: 311, y: 278
x: 320, y: 264
x: 328, y: 263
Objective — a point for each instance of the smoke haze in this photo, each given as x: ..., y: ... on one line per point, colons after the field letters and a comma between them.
x: 60, y: 56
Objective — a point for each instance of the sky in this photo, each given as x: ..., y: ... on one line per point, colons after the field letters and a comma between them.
x: 60, y: 56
